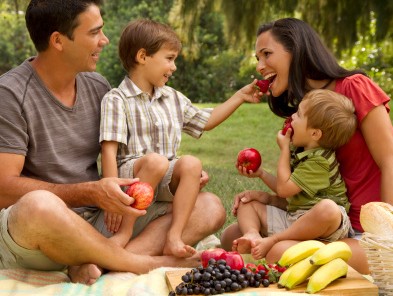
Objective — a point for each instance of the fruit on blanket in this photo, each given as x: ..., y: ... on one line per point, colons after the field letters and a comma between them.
x: 287, y: 125
x: 299, y: 272
x: 249, y: 158
x: 233, y: 259
x: 143, y: 194
x: 283, y: 278
x: 326, y: 274
x: 211, y: 253
x: 263, y: 85
x: 331, y: 251
x: 299, y: 251
x: 218, y: 278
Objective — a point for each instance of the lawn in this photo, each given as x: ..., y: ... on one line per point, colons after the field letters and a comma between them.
x: 252, y: 125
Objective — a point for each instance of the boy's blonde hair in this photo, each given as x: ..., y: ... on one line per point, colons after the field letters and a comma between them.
x: 147, y: 34
x: 333, y: 114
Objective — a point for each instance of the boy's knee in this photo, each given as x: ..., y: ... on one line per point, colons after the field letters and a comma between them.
x: 327, y: 209
x: 156, y: 162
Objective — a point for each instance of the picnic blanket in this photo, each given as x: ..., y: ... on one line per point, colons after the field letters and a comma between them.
x: 29, y: 282
x: 23, y: 282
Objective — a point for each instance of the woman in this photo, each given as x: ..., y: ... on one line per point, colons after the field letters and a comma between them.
x: 291, y: 55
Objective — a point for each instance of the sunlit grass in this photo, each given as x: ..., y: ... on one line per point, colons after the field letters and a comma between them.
x: 252, y: 125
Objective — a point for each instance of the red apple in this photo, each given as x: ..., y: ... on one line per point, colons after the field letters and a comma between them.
x: 143, y: 194
x: 211, y: 253
x: 263, y: 85
x: 249, y: 158
x: 233, y: 259
x: 287, y: 125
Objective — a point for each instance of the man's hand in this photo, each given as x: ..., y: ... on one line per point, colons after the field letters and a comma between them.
x: 111, y: 198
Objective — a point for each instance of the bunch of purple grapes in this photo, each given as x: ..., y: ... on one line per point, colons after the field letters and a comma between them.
x: 218, y: 278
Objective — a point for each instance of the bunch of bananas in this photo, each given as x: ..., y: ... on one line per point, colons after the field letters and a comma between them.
x: 313, y: 260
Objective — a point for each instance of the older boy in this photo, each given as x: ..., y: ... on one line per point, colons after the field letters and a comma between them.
x: 141, y: 126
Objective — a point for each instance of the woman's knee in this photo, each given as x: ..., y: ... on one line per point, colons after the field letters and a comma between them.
x: 358, y: 260
x: 229, y: 234
x: 278, y: 249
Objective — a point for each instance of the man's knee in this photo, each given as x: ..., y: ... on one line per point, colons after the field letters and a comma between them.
x: 212, y: 209
x: 36, y: 207
x: 32, y: 214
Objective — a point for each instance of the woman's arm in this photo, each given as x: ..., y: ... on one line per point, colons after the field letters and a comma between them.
x: 377, y: 131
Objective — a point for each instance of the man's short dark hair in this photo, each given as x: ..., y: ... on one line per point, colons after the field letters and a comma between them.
x: 43, y: 17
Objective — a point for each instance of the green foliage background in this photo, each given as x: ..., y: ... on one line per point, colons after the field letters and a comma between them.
x: 218, y: 36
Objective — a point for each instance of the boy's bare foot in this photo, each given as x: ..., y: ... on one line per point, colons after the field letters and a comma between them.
x: 260, y: 247
x: 85, y: 274
x: 178, y: 249
x: 244, y: 244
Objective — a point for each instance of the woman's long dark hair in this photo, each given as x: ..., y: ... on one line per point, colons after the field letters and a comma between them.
x: 311, y: 59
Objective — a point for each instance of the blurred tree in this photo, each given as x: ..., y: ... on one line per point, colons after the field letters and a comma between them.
x: 218, y: 37
x: 338, y: 22
x: 15, y: 44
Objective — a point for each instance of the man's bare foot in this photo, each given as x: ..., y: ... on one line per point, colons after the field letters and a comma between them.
x: 260, y: 247
x: 85, y: 274
x: 178, y: 249
x: 244, y: 244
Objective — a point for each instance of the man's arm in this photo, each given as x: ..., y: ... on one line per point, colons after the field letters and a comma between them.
x: 105, y: 193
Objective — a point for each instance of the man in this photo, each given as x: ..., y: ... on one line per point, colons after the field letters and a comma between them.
x: 49, y: 183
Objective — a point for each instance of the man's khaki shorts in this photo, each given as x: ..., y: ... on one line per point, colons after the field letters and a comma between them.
x: 278, y: 220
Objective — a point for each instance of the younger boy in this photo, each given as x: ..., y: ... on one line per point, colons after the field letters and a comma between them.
x: 307, y: 176
x: 141, y: 125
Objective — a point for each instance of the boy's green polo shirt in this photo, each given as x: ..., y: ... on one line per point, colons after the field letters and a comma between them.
x: 316, y: 172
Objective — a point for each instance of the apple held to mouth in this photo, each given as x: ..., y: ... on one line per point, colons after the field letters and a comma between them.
x: 263, y: 85
x: 287, y: 125
x: 249, y: 158
x: 143, y: 194
x: 209, y: 254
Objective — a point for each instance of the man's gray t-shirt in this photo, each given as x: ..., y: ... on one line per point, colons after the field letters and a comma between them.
x: 60, y: 144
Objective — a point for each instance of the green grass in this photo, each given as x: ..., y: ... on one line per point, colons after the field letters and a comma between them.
x: 252, y: 125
